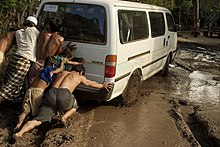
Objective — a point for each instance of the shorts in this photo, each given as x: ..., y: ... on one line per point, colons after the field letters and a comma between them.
x: 56, y: 99
x: 32, y: 100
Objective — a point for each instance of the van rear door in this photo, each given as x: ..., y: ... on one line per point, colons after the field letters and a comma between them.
x: 85, y: 26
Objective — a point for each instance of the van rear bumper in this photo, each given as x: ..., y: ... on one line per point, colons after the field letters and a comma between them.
x: 85, y: 92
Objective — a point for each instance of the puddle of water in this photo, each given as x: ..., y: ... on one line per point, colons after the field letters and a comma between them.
x: 204, y: 58
x: 202, y: 55
x: 204, y: 88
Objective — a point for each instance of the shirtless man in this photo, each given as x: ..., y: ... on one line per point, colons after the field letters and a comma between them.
x: 49, y: 44
x: 50, y: 41
x: 34, y: 95
x: 6, y: 42
x: 60, y: 97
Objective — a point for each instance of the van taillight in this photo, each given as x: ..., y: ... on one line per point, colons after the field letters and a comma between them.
x: 110, y: 66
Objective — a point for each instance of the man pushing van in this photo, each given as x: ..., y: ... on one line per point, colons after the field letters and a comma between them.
x: 60, y: 97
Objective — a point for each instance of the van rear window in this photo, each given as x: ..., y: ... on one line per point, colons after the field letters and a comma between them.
x: 80, y: 22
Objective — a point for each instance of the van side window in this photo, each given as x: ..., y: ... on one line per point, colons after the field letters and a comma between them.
x: 80, y: 22
x: 157, y: 24
x: 170, y: 23
x: 132, y: 25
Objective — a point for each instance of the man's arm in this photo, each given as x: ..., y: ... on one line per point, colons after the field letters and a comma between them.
x: 60, y: 68
x: 105, y: 85
x: 74, y: 63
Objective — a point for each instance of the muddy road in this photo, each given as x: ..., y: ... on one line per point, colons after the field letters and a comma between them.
x: 180, y: 110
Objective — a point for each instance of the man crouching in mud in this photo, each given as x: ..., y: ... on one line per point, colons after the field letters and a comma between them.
x: 60, y: 97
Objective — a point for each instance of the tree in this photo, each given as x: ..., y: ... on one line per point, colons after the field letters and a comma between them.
x: 170, y: 4
x: 25, y: 8
x: 184, y: 8
x: 13, y: 12
x: 179, y: 8
x: 7, y: 13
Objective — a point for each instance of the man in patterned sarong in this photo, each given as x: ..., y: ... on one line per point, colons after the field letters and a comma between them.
x: 20, y: 61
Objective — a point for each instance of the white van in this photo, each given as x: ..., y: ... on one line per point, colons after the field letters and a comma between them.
x: 122, y: 42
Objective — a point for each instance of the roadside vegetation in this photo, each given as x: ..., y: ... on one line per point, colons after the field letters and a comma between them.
x: 13, y: 12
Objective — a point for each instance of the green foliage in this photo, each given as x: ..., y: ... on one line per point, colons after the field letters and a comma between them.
x: 170, y: 4
x: 7, y: 4
x: 164, y: 3
x: 13, y: 12
x: 186, y: 4
x: 214, y: 9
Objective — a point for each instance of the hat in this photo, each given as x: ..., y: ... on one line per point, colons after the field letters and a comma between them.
x: 32, y: 19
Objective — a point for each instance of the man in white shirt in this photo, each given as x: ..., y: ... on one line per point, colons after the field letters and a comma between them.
x: 20, y: 62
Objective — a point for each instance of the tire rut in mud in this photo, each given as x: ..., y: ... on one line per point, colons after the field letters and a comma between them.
x: 201, y: 131
x: 183, y: 128
x: 196, y: 132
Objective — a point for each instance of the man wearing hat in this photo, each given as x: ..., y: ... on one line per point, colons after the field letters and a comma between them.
x: 19, y: 63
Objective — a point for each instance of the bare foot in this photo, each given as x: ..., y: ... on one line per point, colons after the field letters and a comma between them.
x: 17, y: 136
x: 64, y: 121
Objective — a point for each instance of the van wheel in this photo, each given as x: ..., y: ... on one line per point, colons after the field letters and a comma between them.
x: 130, y: 94
x: 165, y: 70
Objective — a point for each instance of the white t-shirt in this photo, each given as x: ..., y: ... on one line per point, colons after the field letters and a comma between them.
x: 27, y: 41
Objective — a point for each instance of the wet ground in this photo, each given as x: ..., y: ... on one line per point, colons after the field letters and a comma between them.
x: 180, y: 110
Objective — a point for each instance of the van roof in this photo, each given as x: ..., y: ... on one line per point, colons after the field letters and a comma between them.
x: 121, y: 3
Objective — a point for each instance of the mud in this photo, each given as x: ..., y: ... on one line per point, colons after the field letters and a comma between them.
x: 181, y: 110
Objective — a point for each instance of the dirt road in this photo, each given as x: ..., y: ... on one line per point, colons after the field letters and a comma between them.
x: 176, y: 111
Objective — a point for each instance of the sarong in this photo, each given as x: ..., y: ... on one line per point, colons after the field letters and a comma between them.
x: 16, y: 71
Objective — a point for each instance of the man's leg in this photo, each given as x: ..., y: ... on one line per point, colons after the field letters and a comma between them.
x: 26, y: 109
x: 67, y: 114
x: 27, y: 127
x: 20, y: 120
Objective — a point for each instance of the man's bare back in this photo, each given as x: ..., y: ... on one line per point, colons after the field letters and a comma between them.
x: 54, y: 45
x: 50, y: 44
x: 42, y: 42
x: 7, y: 41
x: 67, y: 80
x: 39, y: 83
x: 70, y: 80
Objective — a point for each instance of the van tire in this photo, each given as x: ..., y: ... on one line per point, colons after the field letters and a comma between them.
x: 130, y: 93
x: 165, y: 70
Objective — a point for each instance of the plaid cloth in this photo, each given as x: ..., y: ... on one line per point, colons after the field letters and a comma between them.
x: 15, y: 76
